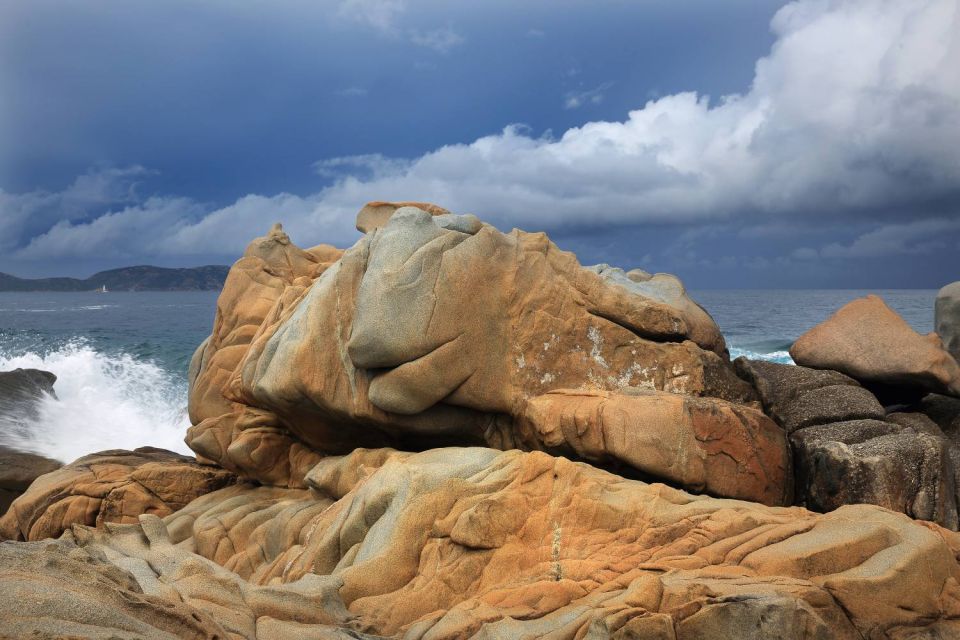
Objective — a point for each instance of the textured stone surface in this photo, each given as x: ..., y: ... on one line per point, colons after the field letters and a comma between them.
x: 947, y: 318
x: 701, y: 444
x: 870, y: 342
x: 55, y: 589
x: 17, y: 470
x: 431, y: 331
x: 899, y: 464
x: 478, y: 543
x: 780, y: 386
x: 110, y: 486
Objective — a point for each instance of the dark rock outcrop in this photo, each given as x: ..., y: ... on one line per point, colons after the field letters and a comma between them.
x: 846, y: 450
x: 17, y: 470
x: 946, y: 321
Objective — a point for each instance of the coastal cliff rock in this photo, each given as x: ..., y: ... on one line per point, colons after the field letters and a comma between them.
x: 384, y: 439
x: 436, y: 330
x: 871, y: 343
x: 110, y: 486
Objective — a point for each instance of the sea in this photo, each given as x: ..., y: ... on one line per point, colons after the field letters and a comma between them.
x: 121, y: 358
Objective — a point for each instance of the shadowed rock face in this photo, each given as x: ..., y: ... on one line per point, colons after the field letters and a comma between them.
x: 436, y: 329
x: 946, y: 320
x: 847, y: 450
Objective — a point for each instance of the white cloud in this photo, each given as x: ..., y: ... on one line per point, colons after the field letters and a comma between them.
x: 352, y: 92
x: 853, y: 112
x: 576, y: 99
x: 382, y: 15
x: 441, y: 40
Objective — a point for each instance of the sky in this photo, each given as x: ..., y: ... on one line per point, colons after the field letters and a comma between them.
x: 736, y: 143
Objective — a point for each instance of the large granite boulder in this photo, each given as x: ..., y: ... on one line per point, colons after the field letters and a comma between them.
x: 846, y: 450
x: 436, y: 329
x: 477, y: 543
x: 798, y: 397
x: 18, y: 469
x: 110, y: 486
x: 946, y: 318
x: 870, y: 342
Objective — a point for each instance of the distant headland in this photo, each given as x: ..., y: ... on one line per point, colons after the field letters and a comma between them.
x: 138, y: 278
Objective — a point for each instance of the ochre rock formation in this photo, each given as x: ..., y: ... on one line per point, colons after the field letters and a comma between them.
x: 479, y: 543
x: 111, y: 486
x: 435, y: 329
x: 870, y: 342
x: 400, y: 416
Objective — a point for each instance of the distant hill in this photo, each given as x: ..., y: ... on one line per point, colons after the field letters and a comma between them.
x: 140, y: 278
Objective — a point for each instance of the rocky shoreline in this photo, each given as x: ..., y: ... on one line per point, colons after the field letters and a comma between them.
x: 447, y: 431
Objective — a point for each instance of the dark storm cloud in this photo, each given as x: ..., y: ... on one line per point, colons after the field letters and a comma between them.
x: 840, y: 149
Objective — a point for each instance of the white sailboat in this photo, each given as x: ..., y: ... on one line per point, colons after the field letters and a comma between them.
x: 102, y: 289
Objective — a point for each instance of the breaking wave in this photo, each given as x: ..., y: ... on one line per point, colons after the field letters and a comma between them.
x: 104, y: 401
x: 780, y: 356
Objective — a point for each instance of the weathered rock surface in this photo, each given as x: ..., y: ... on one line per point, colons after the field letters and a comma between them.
x: 17, y: 470
x: 110, y: 486
x: 844, y: 452
x: 479, y: 543
x: 57, y: 589
x: 700, y: 444
x: 870, y: 342
x: 946, y: 320
x: 798, y: 397
x: 435, y: 329
x: 892, y: 465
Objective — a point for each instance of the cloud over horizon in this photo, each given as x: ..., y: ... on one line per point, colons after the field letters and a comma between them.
x: 851, y: 118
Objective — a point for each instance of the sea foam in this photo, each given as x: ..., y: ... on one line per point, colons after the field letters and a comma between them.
x: 104, y: 401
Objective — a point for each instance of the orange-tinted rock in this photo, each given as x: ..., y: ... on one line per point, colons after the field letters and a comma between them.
x: 702, y: 444
x: 871, y: 343
x: 478, y: 543
x: 376, y: 214
x: 110, y: 486
x: 434, y: 329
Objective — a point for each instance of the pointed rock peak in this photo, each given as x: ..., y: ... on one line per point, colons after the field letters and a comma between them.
x: 277, y: 234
